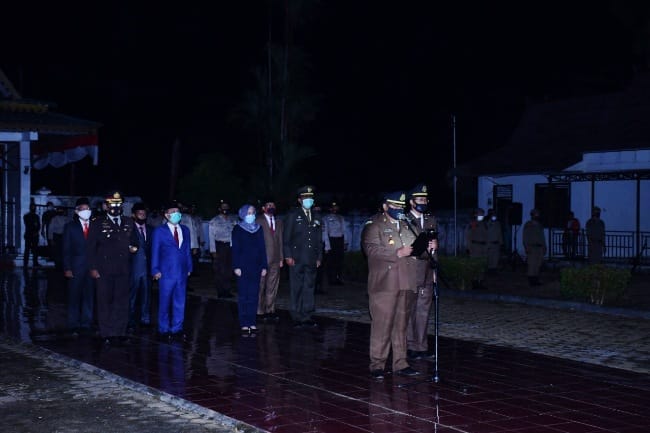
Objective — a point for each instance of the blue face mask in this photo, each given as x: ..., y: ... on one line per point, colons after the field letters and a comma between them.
x: 307, y: 203
x: 421, y: 207
x: 396, y: 214
x: 175, y: 217
x: 249, y: 219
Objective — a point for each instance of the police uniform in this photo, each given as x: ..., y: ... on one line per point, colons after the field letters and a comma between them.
x: 220, y: 238
x: 392, y: 283
x: 303, y: 252
x: 334, y: 239
x: 418, y: 325
x: 108, y: 260
x: 595, y: 230
x: 535, y: 245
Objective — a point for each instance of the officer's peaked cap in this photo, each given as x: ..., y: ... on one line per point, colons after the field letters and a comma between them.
x: 420, y: 190
x: 397, y: 198
x: 306, y: 191
x: 114, y: 198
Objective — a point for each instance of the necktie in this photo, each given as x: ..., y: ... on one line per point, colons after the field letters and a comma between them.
x: 144, y: 236
x: 86, y: 229
x: 116, y: 221
x: 178, y: 243
x: 309, y: 215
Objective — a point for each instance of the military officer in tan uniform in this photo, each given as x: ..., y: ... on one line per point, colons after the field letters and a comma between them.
x: 392, y: 282
x: 494, y: 241
x: 420, y: 221
x: 595, y: 229
x: 477, y: 241
x: 535, y: 246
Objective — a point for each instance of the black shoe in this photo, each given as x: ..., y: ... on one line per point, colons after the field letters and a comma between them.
x: 413, y: 355
x: 297, y: 324
x: 377, y: 374
x: 164, y: 337
x: 274, y: 317
x: 310, y: 324
x: 407, y: 372
x: 262, y: 317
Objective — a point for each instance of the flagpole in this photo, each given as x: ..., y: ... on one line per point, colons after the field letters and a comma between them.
x: 453, y: 128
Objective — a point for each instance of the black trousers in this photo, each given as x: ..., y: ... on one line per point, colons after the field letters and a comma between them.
x: 334, y: 264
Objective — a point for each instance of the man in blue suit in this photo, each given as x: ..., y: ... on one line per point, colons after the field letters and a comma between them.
x: 81, y: 287
x: 140, y: 293
x: 171, y: 265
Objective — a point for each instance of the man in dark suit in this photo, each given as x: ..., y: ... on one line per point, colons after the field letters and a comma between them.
x: 303, y: 253
x: 108, y: 249
x: 272, y: 228
x: 140, y: 287
x: 171, y: 265
x: 81, y: 287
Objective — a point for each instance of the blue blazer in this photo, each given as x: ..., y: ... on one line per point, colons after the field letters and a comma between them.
x: 166, y: 257
x: 74, y: 248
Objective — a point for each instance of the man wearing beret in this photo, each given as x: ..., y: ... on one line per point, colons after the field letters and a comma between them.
x: 421, y: 221
x: 109, y: 252
x: 303, y: 253
x: 392, y: 282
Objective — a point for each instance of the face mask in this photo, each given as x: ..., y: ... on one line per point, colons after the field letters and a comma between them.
x: 396, y: 214
x: 493, y: 218
x: 141, y: 220
x: 307, y: 203
x: 421, y: 207
x: 249, y: 219
x: 480, y: 217
x: 115, y: 210
x: 175, y: 217
x: 84, y: 214
x: 270, y: 210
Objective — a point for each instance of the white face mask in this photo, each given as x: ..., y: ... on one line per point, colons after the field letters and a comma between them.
x: 480, y: 217
x: 84, y: 214
x: 493, y: 218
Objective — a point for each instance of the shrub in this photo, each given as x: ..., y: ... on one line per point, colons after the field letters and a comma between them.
x: 460, y: 271
x: 595, y: 283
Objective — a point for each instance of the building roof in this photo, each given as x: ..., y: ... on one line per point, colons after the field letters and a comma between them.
x: 20, y: 114
x: 552, y: 136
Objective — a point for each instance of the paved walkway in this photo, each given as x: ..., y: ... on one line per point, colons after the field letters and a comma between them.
x: 65, y: 395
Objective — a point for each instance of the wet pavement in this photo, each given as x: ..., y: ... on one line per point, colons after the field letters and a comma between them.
x: 502, y: 366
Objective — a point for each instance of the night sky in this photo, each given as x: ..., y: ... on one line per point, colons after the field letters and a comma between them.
x: 388, y: 76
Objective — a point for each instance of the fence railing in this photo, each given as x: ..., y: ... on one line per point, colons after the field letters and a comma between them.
x: 619, y: 245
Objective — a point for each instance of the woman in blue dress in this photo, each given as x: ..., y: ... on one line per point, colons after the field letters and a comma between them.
x: 249, y: 265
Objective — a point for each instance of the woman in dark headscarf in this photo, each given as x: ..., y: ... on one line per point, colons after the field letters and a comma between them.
x: 249, y: 264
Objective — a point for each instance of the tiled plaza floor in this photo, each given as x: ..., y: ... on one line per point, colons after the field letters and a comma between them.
x: 316, y: 380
